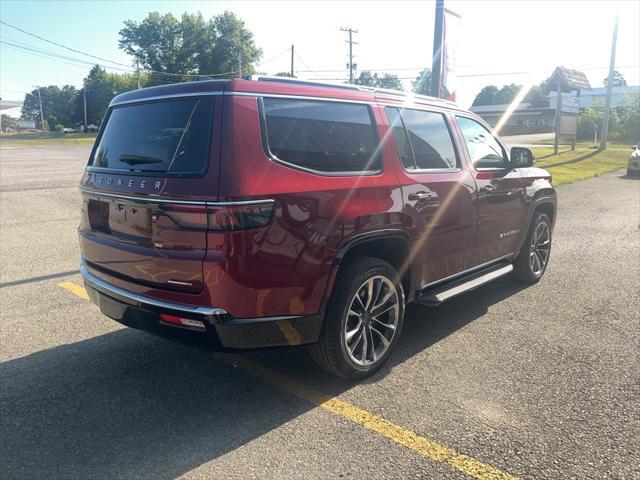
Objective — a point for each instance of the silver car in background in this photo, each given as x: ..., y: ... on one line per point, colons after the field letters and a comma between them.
x: 633, y: 167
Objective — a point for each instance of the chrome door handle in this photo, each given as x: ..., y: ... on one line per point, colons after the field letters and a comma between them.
x: 418, y: 196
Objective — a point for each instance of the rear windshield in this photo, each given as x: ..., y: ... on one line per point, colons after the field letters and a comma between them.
x: 321, y: 136
x: 170, y: 136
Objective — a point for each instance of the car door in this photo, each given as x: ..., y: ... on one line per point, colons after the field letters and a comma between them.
x: 500, y: 191
x: 438, y: 194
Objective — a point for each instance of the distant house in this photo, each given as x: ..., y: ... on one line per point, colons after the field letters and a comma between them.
x: 524, y: 119
x: 587, y: 97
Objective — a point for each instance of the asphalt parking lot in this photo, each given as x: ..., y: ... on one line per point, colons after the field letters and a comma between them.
x: 538, y: 382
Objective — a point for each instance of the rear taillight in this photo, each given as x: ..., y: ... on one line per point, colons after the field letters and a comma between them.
x: 187, y: 216
x: 221, y: 217
x: 240, y: 217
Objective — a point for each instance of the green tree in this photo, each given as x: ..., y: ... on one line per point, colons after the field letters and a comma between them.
x: 537, y: 97
x: 386, y: 80
x: 234, y: 47
x: 9, y: 124
x: 618, y: 80
x: 422, y: 84
x: 58, y: 105
x: 486, y: 96
x: 101, y: 86
x: 628, y: 114
x: 506, y: 94
x: 163, y: 43
x: 366, y: 78
x: 390, y: 81
x: 190, y: 46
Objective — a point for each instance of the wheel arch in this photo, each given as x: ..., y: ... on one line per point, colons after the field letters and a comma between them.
x: 389, y: 245
x: 546, y: 204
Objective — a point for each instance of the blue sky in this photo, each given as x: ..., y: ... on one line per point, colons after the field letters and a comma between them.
x: 502, y: 37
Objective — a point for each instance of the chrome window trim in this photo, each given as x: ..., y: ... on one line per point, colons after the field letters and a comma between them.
x: 135, y: 299
x: 434, y: 170
x: 425, y: 104
x: 166, y: 97
x: 203, y: 203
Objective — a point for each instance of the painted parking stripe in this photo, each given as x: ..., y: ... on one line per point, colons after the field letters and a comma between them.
x: 77, y: 290
x: 423, y: 446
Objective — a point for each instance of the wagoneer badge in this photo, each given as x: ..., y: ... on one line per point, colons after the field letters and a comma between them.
x: 130, y: 183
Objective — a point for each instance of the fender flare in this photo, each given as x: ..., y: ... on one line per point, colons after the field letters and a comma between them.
x: 542, y: 200
x: 348, y: 244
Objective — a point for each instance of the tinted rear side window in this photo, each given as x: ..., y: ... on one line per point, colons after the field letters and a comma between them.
x: 430, y: 139
x: 402, y: 139
x: 321, y: 136
x: 170, y: 137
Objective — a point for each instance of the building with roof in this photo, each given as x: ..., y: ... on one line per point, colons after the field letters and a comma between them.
x: 524, y: 119
x: 587, y: 97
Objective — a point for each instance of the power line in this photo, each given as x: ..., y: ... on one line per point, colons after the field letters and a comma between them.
x: 62, y: 46
x: 26, y: 48
x: 29, y: 48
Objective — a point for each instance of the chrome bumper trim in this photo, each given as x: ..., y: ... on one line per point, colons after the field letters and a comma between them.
x: 134, y: 299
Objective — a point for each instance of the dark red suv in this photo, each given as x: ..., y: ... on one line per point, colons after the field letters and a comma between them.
x: 267, y: 212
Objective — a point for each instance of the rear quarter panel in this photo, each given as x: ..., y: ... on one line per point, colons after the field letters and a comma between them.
x: 283, y: 269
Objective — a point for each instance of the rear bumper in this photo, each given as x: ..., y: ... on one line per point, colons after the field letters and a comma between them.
x: 220, y: 330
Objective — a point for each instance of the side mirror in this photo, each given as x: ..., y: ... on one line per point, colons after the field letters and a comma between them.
x: 521, y: 157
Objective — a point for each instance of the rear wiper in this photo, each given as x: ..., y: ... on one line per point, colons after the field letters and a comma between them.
x: 139, y: 159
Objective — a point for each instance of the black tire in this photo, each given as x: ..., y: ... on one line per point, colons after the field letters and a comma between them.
x: 331, y: 352
x: 523, y: 269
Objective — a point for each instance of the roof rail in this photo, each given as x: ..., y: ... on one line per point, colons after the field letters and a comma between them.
x: 415, y: 96
x: 348, y: 86
x: 299, y: 81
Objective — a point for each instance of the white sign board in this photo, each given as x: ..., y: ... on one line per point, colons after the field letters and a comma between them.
x: 26, y: 124
x: 570, y: 104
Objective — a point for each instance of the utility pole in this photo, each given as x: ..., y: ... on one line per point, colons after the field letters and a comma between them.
x: 41, y: 113
x: 292, y: 53
x: 138, y: 72
x: 239, y: 65
x: 84, y: 101
x: 556, y: 129
x: 351, y: 43
x: 607, y: 106
x: 438, y: 36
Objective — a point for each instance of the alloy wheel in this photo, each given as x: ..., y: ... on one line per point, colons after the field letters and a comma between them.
x: 371, y: 321
x: 539, y: 249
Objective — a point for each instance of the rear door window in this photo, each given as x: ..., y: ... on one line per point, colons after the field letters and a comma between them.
x: 429, y: 138
x: 333, y: 137
x: 168, y: 137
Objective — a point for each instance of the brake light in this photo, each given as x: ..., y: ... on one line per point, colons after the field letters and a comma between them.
x: 221, y: 217
x: 187, y: 216
x: 240, y: 217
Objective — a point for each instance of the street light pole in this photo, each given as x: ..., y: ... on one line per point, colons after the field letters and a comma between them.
x: 436, y: 65
x: 41, y: 112
x: 84, y: 101
x: 607, y: 106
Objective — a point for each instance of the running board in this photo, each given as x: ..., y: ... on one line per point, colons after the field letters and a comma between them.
x: 438, y: 294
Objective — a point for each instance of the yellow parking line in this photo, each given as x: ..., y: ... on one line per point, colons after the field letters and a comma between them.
x: 77, y: 290
x: 423, y: 446
x: 402, y: 436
